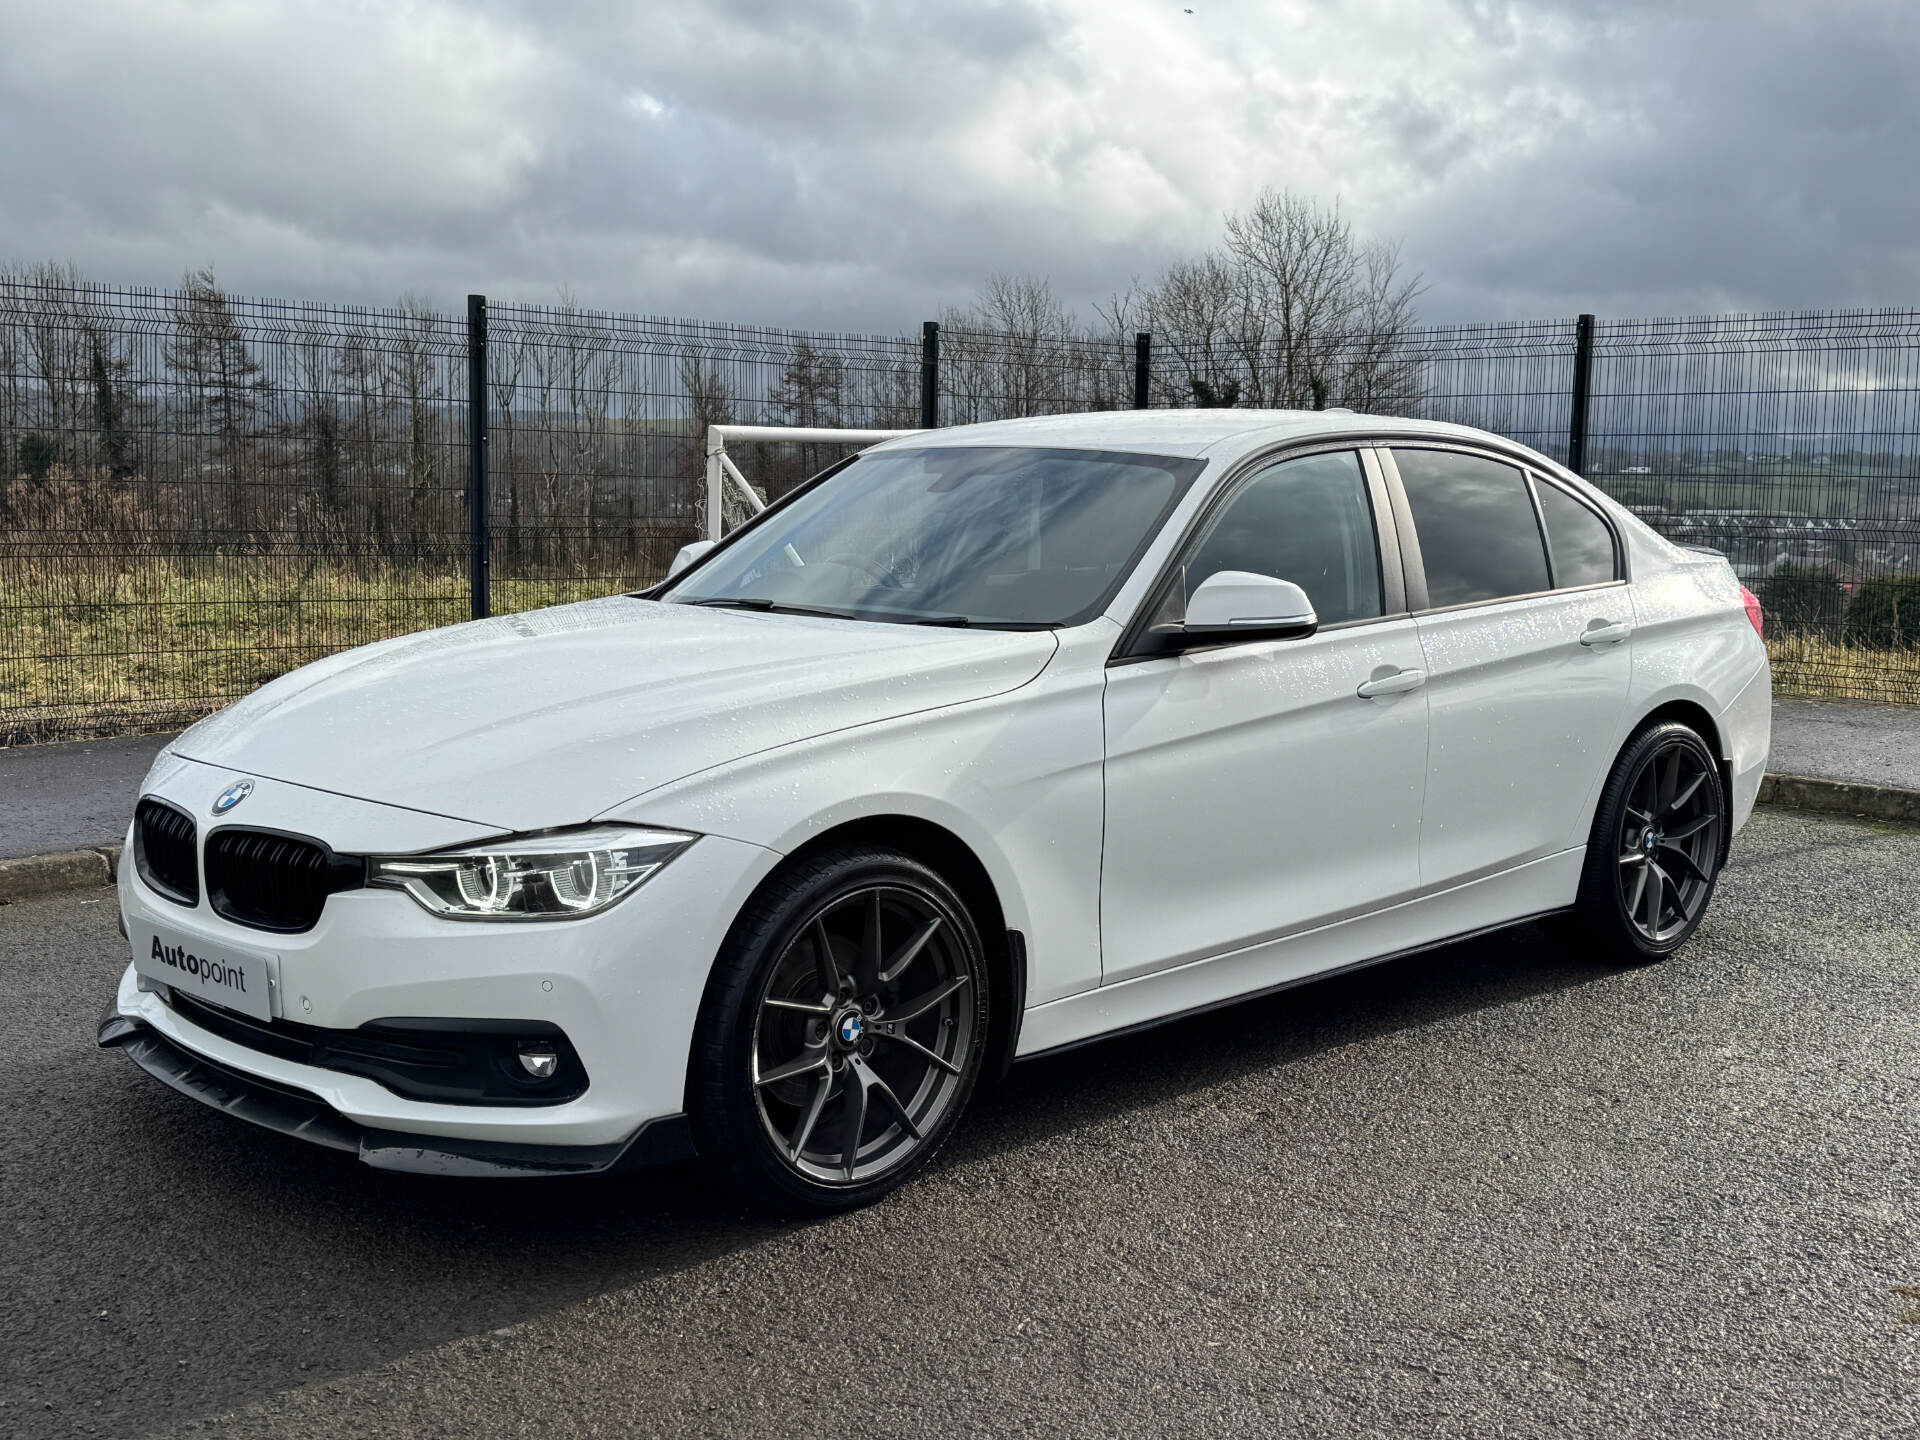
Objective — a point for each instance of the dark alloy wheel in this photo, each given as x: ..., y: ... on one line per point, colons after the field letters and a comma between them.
x: 843, y: 1030
x: 1656, y: 848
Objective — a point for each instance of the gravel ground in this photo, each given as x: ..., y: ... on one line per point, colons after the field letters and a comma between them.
x: 1491, y: 1191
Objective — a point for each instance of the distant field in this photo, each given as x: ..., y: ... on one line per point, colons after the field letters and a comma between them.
x: 1767, y: 489
x: 156, y: 646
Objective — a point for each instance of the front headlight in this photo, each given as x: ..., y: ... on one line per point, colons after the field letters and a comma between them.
x: 533, y: 877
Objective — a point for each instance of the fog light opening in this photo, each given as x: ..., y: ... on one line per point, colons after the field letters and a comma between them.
x: 539, y: 1060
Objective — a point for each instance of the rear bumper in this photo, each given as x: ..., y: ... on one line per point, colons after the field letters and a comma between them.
x: 306, y: 1116
x: 1747, y: 736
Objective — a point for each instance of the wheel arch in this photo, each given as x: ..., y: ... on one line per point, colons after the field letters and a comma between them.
x: 1692, y: 714
x: 1702, y: 721
x: 941, y: 850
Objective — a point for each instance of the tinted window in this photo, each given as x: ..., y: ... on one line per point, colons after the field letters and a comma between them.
x: 993, y: 535
x: 1581, y: 544
x: 1478, y: 534
x: 1307, y: 521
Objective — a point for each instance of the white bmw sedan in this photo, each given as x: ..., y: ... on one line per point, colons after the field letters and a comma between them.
x: 985, y: 744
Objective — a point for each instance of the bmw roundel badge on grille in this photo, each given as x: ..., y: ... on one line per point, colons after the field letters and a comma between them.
x: 232, y: 796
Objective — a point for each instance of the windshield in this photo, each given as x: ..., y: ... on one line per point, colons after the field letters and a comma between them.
x: 956, y: 536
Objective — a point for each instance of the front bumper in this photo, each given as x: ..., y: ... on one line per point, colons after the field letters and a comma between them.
x: 293, y: 1112
x: 623, y: 986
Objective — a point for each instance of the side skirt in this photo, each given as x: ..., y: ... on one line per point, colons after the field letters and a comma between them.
x: 1496, y: 902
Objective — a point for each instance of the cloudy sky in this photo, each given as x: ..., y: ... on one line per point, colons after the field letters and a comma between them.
x: 858, y: 163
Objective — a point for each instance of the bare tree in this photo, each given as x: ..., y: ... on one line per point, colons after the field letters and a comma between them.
x: 710, y: 401
x: 208, y: 352
x: 418, y: 383
x: 1015, y: 349
x: 811, y: 391
x: 1380, y: 376
x: 64, y: 391
x: 1207, y: 327
x: 1293, y: 310
x: 506, y: 365
x: 53, y: 341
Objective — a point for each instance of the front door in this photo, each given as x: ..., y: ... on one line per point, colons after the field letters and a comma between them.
x: 1252, y: 790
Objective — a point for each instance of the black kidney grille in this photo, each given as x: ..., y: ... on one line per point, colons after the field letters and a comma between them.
x: 274, y: 882
x: 163, y: 851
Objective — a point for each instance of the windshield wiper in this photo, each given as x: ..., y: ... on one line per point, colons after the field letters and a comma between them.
x: 772, y: 607
x: 967, y: 622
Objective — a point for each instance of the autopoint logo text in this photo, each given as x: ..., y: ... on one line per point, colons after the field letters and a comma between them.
x: 204, y: 967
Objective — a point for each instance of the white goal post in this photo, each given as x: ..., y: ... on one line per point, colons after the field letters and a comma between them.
x: 721, y: 469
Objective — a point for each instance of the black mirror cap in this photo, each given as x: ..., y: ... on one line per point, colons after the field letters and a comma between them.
x: 1178, y: 639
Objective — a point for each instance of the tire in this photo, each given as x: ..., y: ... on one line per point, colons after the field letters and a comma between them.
x: 1653, y: 858
x: 885, y: 1041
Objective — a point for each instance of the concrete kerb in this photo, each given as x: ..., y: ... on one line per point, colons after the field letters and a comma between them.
x: 32, y: 876
x: 1842, y: 797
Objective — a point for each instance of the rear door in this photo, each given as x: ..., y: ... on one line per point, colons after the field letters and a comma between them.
x: 1261, y: 788
x: 1528, y: 656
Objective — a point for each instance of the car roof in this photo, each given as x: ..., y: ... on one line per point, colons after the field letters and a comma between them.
x: 1216, y: 434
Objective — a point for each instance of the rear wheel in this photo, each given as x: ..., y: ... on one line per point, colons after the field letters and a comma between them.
x: 843, y: 1031
x: 1654, y: 855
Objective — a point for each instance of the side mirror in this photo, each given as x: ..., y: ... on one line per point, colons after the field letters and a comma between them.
x: 1233, y: 605
x: 687, y: 555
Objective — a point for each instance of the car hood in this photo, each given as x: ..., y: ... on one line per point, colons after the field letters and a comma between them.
x: 552, y: 716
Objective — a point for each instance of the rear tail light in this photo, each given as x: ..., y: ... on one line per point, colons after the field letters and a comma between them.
x: 1752, y: 602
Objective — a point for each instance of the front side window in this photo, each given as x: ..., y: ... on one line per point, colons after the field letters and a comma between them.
x: 1305, y: 520
x: 987, y: 535
x: 1479, y: 537
x: 1580, y: 541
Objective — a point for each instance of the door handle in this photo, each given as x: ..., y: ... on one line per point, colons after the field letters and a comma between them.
x: 1398, y: 683
x: 1605, y: 632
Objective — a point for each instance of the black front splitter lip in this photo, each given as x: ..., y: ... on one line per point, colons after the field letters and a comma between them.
x: 307, y: 1117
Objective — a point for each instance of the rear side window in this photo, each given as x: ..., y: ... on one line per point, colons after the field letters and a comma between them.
x: 1579, y: 540
x: 1478, y: 534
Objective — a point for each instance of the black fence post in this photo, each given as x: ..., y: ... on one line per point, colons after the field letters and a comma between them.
x: 1582, y: 394
x: 930, y: 375
x: 1142, y: 367
x: 479, y: 506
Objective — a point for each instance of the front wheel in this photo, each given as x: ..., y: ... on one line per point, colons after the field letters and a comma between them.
x: 843, y: 1031
x: 1654, y: 855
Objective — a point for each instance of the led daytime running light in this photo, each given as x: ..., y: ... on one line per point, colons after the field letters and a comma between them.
x: 534, y: 877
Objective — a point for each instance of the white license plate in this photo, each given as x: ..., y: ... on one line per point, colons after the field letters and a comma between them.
x: 206, y: 970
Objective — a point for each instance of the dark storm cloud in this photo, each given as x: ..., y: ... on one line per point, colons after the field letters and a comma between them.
x: 858, y: 164
x: 1758, y: 159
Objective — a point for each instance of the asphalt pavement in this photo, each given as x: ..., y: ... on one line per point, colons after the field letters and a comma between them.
x: 66, y: 797
x: 1867, y: 744
x: 1490, y: 1191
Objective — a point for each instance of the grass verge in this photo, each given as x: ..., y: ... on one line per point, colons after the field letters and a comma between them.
x: 88, y: 652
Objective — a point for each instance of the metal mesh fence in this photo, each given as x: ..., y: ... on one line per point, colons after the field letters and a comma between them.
x: 597, y: 425
x: 989, y: 376
x: 1788, y: 441
x: 199, y: 492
